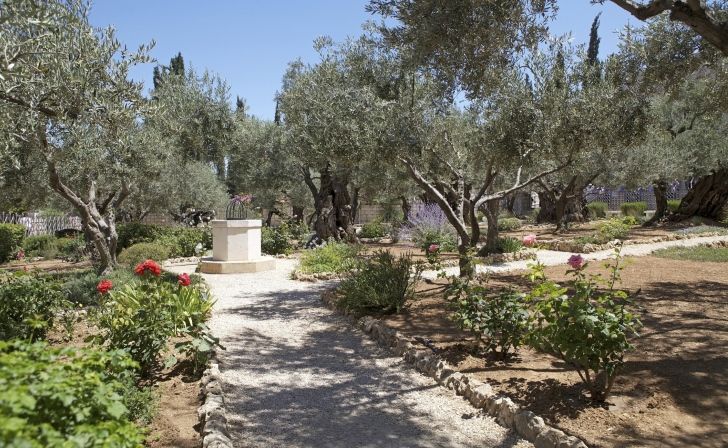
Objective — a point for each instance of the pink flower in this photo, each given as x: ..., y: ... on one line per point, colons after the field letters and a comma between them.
x: 576, y: 261
x: 184, y: 279
x: 529, y: 240
x: 20, y: 255
x: 432, y: 248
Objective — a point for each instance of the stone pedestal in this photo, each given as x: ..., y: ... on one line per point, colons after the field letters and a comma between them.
x: 236, y: 248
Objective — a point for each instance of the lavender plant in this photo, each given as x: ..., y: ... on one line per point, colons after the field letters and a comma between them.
x: 428, y: 225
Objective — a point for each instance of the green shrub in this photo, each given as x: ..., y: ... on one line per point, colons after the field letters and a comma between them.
x: 613, y: 229
x: 374, y: 229
x: 137, y: 253
x: 500, y: 322
x: 597, y: 209
x: 630, y: 221
x: 591, y: 239
x: 509, y: 244
x: 57, y: 398
x: 28, y: 306
x: 135, y: 233
x: 81, y: 288
x: 71, y: 248
x: 636, y: 209
x: 185, y: 241
x: 381, y: 284
x: 297, y: 230
x: 41, y: 246
x: 673, y: 205
x: 275, y: 241
x: 587, y: 327
x: 508, y: 224
x: 11, y: 239
x: 333, y: 257
x: 425, y: 237
x: 140, y: 317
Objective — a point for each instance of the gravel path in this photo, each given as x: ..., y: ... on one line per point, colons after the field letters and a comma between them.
x: 297, y: 375
x: 553, y: 258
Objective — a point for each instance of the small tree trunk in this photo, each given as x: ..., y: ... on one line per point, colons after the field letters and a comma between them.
x: 659, y: 187
x: 406, y: 208
x: 491, y: 211
x: 707, y: 198
x: 298, y: 213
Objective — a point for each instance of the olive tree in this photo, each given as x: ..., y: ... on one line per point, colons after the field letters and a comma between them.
x: 64, y: 86
x: 331, y: 117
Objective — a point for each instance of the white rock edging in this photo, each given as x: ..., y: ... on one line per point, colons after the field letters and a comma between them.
x: 212, y: 412
x: 481, y: 395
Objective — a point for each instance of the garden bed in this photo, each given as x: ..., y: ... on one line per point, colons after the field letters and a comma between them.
x: 674, y: 389
x: 177, y: 394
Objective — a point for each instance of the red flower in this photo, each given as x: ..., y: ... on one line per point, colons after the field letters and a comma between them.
x: 148, y: 266
x: 104, y: 286
x: 184, y: 279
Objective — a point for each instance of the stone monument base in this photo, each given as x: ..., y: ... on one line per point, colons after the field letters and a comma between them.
x: 210, y: 266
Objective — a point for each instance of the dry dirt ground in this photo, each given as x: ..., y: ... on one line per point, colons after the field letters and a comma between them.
x: 674, y: 388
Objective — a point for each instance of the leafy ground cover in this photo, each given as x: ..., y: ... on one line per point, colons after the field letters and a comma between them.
x: 699, y: 253
x: 124, y: 326
x: 673, y: 385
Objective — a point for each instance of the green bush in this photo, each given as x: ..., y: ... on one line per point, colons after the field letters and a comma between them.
x: 11, y: 239
x: 381, y: 284
x: 587, y: 327
x: 613, y: 229
x: 73, y: 249
x: 81, y: 288
x: 139, y: 252
x: 509, y: 244
x: 636, y: 209
x: 673, y: 205
x: 500, y: 322
x: 424, y: 237
x: 58, y: 398
x: 507, y: 224
x: 374, y: 229
x: 28, y: 306
x: 333, y: 257
x: 597, y: 209
x: 41, y: 246
x: 140, y: 317
x: 630, y: 221
x: 275, y: 241
x: 181, y: 241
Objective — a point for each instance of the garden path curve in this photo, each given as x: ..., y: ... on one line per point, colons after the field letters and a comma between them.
x: 295, y: 374
x: 554, y: 258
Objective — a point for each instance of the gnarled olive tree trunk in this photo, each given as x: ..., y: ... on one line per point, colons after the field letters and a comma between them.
x: 707, y: 198
x: 659, y: 188
x: 333, y: 209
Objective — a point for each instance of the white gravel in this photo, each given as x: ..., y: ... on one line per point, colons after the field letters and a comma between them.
x: 297, y: 375
x: 553, y: 258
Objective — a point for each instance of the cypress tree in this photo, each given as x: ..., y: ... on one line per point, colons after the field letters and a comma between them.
x: 592, y: 53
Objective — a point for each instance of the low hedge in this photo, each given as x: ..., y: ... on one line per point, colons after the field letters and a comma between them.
x: 636, y: 209
x: 11, y: 238
x: 673, y: 205
x: 597, y: 209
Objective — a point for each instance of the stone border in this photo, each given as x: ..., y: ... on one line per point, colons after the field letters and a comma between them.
x: 571, y: 246
x: 212, y: 412
x: 481, y: 395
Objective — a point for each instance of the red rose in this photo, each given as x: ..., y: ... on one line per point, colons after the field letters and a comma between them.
x: 104, y: 286
x: 148, y: 266
x: 184, y: 279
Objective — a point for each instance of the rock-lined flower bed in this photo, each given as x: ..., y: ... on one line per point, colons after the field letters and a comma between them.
x: 480, y: 394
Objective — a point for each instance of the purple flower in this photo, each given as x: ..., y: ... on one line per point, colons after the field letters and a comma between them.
x: 576, y: 261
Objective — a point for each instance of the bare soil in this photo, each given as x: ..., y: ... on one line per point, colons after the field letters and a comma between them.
x: 673, y: 391
x: 45, y: 265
